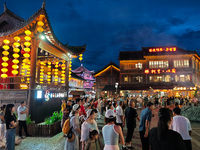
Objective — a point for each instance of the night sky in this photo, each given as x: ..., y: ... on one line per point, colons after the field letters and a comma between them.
x: 110, y: 26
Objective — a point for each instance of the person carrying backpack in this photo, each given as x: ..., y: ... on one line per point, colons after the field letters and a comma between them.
x: 74, y: 125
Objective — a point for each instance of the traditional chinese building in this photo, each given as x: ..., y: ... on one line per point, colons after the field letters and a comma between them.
x: 35, y: 66
x: 88, y: 76
x: 76, y: 88
x: 106, y: 79
x: 170, y: 71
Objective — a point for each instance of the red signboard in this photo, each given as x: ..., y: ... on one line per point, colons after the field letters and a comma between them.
x: 167, y: 49
x: 159, y: 71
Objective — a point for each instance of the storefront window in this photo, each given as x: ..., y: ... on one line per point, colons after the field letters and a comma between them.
x: 182, y: 78
x: 139, y: 79
x: 181, y: 63
x: 160, y: 78
x: 159, y: 64
x: 125, y: 78
x: 167, y: 78
x: 138, y: 65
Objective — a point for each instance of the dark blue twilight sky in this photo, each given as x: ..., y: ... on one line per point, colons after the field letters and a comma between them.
x: 110, y: 26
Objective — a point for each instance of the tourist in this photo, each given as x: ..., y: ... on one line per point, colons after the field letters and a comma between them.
x: 75, y: 125
x: 63, y: 105
x: 120, y: 115
x: 145, y: 101
x: 130, y: 117
x: 82, y: 108
x: 111, y: 132
x: 102, y: 106
x: 93, y: 143
x: 87, y: 125
x: 145, y: 120
x: 2, y: 125
x: 11, y: 124
x: 22, y: 112
x: 182, y: 125
x: 162, y: 138
x: 66, y: 112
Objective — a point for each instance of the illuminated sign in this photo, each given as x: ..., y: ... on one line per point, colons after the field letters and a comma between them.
x: 23, y: 86
x: 167, y: 49
x: 159, y: 71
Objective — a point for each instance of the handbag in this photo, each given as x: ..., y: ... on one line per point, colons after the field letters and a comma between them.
x: 70, y: 135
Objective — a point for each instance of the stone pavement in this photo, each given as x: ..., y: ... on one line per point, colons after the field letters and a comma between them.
x: 57, y: 142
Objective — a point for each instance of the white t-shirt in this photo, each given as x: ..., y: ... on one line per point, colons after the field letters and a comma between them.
x: 21, y: 117
x: 182, y: 125
x: 119, y: 112
x: 85, y: 130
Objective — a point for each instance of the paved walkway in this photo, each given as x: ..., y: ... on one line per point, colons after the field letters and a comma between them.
x: 57, y: 142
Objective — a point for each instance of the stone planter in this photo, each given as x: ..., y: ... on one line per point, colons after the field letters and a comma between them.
x: 42, y: 130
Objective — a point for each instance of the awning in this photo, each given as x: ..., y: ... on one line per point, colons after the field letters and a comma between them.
x: 77, y: 93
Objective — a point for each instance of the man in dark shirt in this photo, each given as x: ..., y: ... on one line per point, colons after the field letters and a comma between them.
x: 130, y: 117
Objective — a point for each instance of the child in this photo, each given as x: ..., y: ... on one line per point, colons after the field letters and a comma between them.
x: 93, y: 142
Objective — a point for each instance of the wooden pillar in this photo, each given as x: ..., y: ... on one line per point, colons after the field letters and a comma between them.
x: 34, y: 53
x: 67, y: 77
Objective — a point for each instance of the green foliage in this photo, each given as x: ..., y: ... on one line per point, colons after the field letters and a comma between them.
x: 54, y: 118
x: 28, y: 120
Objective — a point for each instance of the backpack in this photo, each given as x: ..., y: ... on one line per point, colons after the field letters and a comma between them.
x: 66, y: 127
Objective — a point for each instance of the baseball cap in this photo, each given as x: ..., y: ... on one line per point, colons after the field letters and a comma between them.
x: 75, y: 107
x: 90, y: 111
x: 110, y: 114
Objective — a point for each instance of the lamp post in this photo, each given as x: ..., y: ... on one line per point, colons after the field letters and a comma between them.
x: 116, y: 85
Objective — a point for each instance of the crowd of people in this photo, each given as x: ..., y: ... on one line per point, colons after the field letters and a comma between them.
x: 8, y: 123
x: 119, y: 113
x: 172, y: 132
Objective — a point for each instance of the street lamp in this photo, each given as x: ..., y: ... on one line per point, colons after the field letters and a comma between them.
x: 116, y: 85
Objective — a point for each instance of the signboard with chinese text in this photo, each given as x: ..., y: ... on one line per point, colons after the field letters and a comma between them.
x: 167, y: 49
x: 159, y: 71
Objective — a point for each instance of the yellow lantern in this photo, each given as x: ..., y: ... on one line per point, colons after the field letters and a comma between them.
x: 5, y: 64
x: 56, y: 70
x: 16, y: 44
x: 28, y: 32
x: 56, y: 79
x: 42, y: 70
x: 6, y: 53
x: 40, y: 29
x: 69, y: 75
x: 15, y: 72
x: 4, y: 70
x: 62, y: 81
x: 5, y: 58
x: 27, y: 44
x: 16, y: 50
x: 63, y: 78
x: 56, y: 76
x: 23, y: 73
x: 16, y: 55
x: 27, y: 38
x: 63, y: 75
x: 26, y: 55
x: 80, y: 58
x: 17, y: 38
x: 15, y: 61
x: 63, y: 71
x: 6, y: 41
x: 40, y: 23
x: 27, y: 49
x: 4, y: 75
x: 26, y: 60
x: 6, y: 47
x: 41, y: 79
x: 49, y: 73
x: 56, y: 73
x: 15, y: 67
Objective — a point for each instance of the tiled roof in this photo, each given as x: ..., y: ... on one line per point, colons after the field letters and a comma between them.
x: 111, y: 63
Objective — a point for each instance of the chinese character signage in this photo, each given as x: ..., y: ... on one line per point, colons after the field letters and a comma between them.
x: 167, y: 49
x: 159, y: 71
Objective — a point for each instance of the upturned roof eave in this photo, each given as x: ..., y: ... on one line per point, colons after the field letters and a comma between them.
x: 41, y: 11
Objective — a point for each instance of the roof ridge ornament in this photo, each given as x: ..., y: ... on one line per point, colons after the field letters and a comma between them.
x: 43, y: 4
x: 5, y: 8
